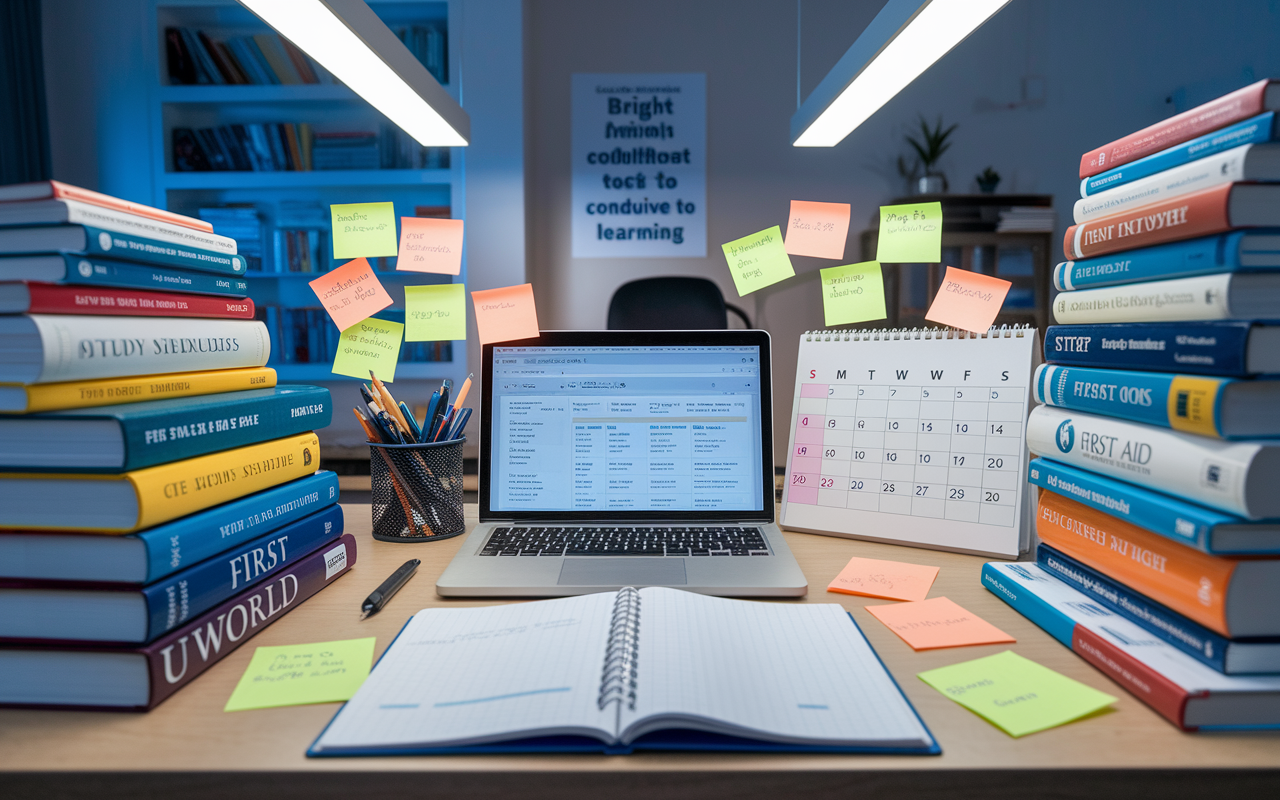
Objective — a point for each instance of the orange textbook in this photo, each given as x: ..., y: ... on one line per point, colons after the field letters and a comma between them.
x: 1235, y: 597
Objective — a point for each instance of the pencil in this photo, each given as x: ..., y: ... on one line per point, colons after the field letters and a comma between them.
x: 389, y: 402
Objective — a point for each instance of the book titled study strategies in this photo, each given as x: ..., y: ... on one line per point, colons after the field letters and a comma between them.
x: 1238, y: 251
x: 1227, y: 347
x: 72, y: 268
x: 70, y: 676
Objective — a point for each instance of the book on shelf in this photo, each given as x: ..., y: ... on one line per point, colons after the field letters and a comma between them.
x: 671, y: 679
x: 57, y: 190
x: 1241, y: 104
x: 82, y: 612
x: 429, y: 43
x: 1238, y: 251
x: 1233, y: 596
x: 1228, y: 656
x: 1235, y: 477
x: 147, y: 556
x: 1227, y: 295
x: 1201, y: 527
x: 277, y: 59
x: 68, y: 676
x: 196, y: 57
x: 1208, y: 211
x: 54, y: 348
x: 1224, y: 408
x: 78, y: 269
x: 87, y: 241
x: 119, y: 438
x: 1253, y: 130
x: 1229, y: 348
x: 21, y: 297
x: 75, y: 212
x: 143, y: 498
x: 1184, y: 691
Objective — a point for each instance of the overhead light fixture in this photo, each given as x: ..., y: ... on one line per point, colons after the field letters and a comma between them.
x: 350, y: 41
x: 903, y: 40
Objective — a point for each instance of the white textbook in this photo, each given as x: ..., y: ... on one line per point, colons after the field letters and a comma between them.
x: 653, y: 668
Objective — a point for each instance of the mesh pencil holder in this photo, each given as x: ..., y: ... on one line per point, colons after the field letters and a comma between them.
x: 417, y: 491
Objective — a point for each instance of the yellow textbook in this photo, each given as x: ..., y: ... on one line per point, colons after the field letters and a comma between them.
x: 142, y: 498
x: 16, y: 398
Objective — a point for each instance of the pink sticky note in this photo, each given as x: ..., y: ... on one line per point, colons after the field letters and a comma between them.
x: 968, y: 300
x: 930, y: 624
x: 505, y: 314
x: 430, y: 245
x: 817, y: 229
x: 351, y: 293
x: 892, y: 580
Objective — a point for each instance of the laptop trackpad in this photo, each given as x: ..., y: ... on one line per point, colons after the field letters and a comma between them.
x: 631, y: 571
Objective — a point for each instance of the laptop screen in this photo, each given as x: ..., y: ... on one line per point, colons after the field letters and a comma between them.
x: 651, y: 427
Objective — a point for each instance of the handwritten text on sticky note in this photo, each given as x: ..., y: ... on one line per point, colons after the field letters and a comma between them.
x: 1017, y: 695
x: 910, y: 234
x: 968, y: 300
x: 435, y: 313
x: 505, y: 314
x: 758, y: 260
x: 893, y: 580
x: 371, y: 344
x: 430, y: 245
x: 350, y: 293
x: 817, y: 229
x: 853, y: 293
x: 364, y: 229
x: 298, y: 674
x: 930, y: 624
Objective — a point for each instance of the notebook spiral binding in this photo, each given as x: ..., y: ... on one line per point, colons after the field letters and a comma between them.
x: 887, y: 334
x: 618, y: 680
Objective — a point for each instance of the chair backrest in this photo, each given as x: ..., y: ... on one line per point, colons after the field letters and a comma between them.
x: 671, y: 303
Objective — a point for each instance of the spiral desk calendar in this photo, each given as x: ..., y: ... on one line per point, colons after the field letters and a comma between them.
x: 913, y: 437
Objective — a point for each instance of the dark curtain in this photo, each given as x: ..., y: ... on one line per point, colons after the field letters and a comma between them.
x: 24, y: 124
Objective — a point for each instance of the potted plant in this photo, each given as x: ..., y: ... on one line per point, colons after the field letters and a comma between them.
x: 929, y: 147
x: 988, y: 180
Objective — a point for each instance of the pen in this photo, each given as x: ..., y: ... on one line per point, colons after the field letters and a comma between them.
x: 459, y: 425
x: 389, y: 404
x: 413, y: 423
x: 376, y: 601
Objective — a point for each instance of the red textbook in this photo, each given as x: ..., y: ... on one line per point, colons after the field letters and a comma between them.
x: 51, y: 298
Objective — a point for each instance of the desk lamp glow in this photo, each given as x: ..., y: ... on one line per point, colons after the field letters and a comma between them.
x: 903, y: 40
x: 349, y: 40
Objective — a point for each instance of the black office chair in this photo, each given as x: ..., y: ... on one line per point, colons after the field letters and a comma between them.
x: 670, y: 303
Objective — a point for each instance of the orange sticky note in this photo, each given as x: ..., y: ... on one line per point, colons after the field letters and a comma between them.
x: 892, y: 580
x: 505, y: 314
x: 430, y: 245
x: 968, y: 300
x: 351, y: 293
x: 817, y: 229
x: 930, y: 624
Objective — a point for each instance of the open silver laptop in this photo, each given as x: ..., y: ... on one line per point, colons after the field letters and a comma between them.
x: 626, y: 458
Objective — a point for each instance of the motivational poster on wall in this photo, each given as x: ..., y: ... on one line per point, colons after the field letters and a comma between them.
x: 639, y: 165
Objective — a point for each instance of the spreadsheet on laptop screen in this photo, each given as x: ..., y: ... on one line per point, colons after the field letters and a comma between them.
x: 614, y: 428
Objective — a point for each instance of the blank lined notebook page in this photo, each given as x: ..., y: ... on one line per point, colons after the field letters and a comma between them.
x: 788, y: 673
x: 467, y: 675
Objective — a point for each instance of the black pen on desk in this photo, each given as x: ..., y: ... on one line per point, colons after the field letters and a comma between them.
x: 375, y: 602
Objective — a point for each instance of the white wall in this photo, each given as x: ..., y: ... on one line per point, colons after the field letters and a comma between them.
x: 1107, y: 69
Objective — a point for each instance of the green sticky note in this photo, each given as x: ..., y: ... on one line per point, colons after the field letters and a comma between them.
x: 853, y: 293
x: 1016, y: 695
x: 298, y: 674
x: 910, y: 234
x: 372, y: 344
x: 435, y: 313
x: 363, y: 230
x: 758, y: 260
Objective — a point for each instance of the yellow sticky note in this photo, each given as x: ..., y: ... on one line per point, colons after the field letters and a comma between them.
x: 758, y: 260
x: 910, y: 234
x: 1015, y: 694
x: 364, y: 230
x: 435, y: 313
x: 371, y: 344
x: 505, y: 314
x: 300, y: 674
x: 430, y: 245
x: 853, y: 293
x: 892, y: 580
x: 350, y: 293
x: 968, y: 300
x: 818, y: 229
x: 938, y: 622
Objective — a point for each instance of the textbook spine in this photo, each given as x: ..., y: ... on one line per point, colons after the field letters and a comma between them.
x: 1028, y: 604
x: 1201, y: 298
x: 61, y: 299
x: 1212, y: 348
x: 1203, y: 256
x: 94, y: 271
x: 1181, y: 402
x: 133, y: 247
x: 1192, y: 177
x: 124, y: 222
x: 1184, y: 217
x: 113, y: 391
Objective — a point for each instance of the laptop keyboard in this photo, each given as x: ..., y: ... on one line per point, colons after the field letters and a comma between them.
x: 616, y: 541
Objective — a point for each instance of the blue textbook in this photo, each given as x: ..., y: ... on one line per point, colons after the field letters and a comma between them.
x: 78, y: 269
x: 147, y: 556
x: 1255, y: 249
x: 78, y: 241
x: 95, y: 613
x: 1232, y: 348
x: 132, y: 436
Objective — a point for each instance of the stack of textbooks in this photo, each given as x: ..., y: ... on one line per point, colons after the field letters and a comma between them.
x: 159, y: 495
x: 1158, y: 464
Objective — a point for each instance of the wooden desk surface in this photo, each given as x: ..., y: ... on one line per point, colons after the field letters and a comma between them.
x: 189, y: 745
